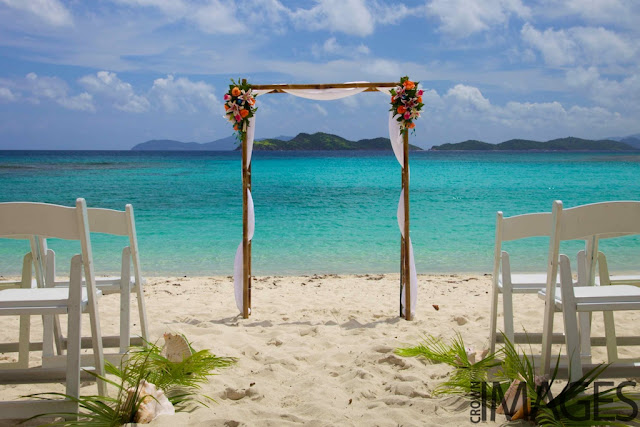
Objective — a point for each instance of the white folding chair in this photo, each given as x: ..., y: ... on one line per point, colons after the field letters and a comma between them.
x: 507, y: 283
x: 585, y: 222
x: 62, y: 222
x: 119, y: 223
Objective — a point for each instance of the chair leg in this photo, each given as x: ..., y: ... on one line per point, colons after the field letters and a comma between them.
x: 493, y: 325
x: 74, y: 328
x: 507, y: 304
x: 125, y: 303
x: 584, y: 319
x: 569, y: 314
x: 610, y: 335
x: 23, y: 346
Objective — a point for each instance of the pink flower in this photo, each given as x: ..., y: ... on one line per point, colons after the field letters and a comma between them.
x: 227, y: 96
x: 238, y: 118
x: 420, y: 92
x: 407, y: 115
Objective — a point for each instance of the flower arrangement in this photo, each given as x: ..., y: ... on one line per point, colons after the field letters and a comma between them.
x: 239, y: 106
x: 406, y: 102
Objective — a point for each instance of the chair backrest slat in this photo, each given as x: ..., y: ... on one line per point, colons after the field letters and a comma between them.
x: 528, y: 225
x: 25, y: 218
x: 108, y: 221
x: 608, y: 219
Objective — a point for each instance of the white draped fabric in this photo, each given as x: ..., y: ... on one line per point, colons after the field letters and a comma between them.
x: 397, y: 144
x: 325, y: 94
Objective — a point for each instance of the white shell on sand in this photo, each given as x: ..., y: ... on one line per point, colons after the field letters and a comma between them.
x: 153, y: 402
x: 507, y: 405
x: 176, y: 348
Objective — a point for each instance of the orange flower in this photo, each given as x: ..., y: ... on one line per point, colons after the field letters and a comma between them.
x: 401, y: 110
x: 235, y: 127
x: 226, y: 107
x: 420, y: 99
x: 252, y: 101
x: 235, y: 91
x: 392, y: 98
x: 408, y: 84
x: 244, y: 113
x: 411, y: 125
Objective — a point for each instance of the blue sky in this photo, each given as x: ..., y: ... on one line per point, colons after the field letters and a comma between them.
x: 108, y: 74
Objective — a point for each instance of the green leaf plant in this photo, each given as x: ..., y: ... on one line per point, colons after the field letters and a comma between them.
x: 578, y: 403
x: 180, y: 382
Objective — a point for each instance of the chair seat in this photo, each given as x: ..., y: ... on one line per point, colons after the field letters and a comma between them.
x: 526, y: 283
x: 622, y: 279
x: 38, y: 297
x: 613, y: 294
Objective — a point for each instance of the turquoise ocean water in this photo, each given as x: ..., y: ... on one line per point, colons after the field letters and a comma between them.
x: 317, y: 211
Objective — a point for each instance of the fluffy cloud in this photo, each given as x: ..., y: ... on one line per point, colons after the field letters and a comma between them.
x: 579, y: 45
x: 108, y: 85
x: 81, y: 102
x: 51, y: 12
x: 332, y: 47
x: 35, y: 89
x: 6, y: 95
x: 475, y: 116
x: 461, y: 18
x: 621, y: 94
x: 182, y: 94
x: 346, y: 16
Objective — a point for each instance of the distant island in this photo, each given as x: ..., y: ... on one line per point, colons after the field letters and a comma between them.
x: 323, y: 142
x: 560, y: 144
x: 303, y: 141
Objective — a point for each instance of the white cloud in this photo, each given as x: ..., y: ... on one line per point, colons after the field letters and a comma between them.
x: 52, y: 12
x: 333, y: 48
x: 108, y: 85
x: 619, y: 13
x: 579, y: 45
x: 461, y: 18
x: 6, y: 95
x: 81, y: 102
x: 38, y: 88
x: 217, y: 17
x: 346, y: 16
x: 182, y: 94
x: 622, y: 94
x: 467, y: 99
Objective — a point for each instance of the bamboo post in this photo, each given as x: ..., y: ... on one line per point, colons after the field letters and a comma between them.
x: 249, y: 248
x: 401, y: 270
x: 407, y: 253
x: 245, y: 231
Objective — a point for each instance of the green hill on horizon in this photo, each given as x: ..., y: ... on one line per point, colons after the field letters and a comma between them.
x: 559, y: 144
x: 321, y: 141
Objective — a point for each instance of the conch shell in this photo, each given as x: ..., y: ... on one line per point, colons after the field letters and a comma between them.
x: 176, y: 348
x: 473, y: 356
x: 510, y: 395
x: 153, y: 402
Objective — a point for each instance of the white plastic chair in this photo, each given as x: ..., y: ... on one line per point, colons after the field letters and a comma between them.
x: 583, y: 222
x: 62, y: 222
x: 119, y: 223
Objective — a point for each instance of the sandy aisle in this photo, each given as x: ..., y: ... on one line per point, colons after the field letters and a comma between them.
x: 318, y: 350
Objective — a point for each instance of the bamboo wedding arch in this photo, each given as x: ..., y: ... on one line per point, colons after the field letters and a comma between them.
x: 400, y: 145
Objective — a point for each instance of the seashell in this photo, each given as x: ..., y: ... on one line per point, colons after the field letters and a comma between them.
x: 176, y: 348
x: 507, y: 406
x: 153, y: 402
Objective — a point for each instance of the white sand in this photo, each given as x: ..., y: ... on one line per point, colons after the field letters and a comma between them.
x: 318, y: 350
